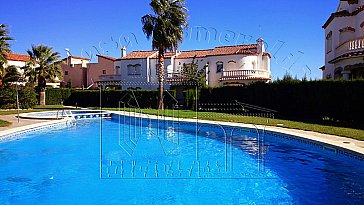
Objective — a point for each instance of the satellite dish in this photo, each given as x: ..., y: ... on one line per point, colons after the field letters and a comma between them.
x: 68, y: 52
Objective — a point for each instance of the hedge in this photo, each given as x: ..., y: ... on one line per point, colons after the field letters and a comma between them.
x: 336, y: 100
x: 27, y: 98
x: 110, y: 98
x: 57, y: 96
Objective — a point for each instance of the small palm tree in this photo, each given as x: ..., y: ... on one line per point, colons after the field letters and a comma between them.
x: 4, y: 48
x: 4, y: 43
x: 166, y: 29
x: 44, y: 64
x: 8, y: 75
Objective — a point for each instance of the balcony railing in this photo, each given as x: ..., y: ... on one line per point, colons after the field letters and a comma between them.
x: 350, y: 46
x: 245, y: 74
x: 109, y: 78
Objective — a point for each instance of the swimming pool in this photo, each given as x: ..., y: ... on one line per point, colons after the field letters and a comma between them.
x: 61, y: 114
x: 146, y: 161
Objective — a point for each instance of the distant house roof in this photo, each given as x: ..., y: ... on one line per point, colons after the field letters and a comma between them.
x: 250, y: 49
x: 107, y: 57
x: 193, y: 54
x: 77, y: 57
x: 139, y: 55
x: 232, y: 50
x: 17, y: 57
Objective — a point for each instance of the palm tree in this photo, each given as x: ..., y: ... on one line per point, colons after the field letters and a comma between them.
x: 165, y: 27
x: 8, y: 75
x: 4, y: 48
x: 44, y: 64
x: 4, y: 44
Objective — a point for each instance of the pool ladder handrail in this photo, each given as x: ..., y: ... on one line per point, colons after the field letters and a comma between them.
x: 68, y: 115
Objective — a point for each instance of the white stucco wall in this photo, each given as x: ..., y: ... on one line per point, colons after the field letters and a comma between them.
x: 340, y: 40
x: 17, y: 64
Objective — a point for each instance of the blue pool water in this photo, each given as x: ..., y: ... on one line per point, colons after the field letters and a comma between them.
x: 150, y: 162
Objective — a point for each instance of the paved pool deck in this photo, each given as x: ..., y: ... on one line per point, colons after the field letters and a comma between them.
x: 343, y: 142
x: 22, y: 122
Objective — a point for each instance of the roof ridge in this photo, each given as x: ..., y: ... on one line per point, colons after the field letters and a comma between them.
x: 254, y: 44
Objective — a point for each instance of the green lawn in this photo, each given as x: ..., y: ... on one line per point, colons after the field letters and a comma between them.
x: 339, y: 131
x: 4, y: 123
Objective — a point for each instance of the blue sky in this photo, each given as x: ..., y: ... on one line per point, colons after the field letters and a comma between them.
x: 292, y: 29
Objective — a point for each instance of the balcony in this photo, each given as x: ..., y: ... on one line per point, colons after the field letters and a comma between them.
x: 175, y: 77
x: 350, y: 46
x: 109, y: 78
x: 245, y: 75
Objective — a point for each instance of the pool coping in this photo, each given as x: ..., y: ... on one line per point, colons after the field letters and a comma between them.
x: 325, y: 140
x: 4, y: 135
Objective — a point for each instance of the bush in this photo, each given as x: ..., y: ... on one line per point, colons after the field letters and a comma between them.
x: 110, y: 98
x: 336, y: 100
x: 57, y: 96
x: 27, y: 98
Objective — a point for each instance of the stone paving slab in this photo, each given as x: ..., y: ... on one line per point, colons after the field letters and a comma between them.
x: 14, y: 120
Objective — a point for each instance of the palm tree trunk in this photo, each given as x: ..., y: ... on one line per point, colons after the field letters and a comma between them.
x: 161, y: 79
x: 42, y: 96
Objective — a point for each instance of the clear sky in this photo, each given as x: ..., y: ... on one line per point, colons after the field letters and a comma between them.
x: 292, y: 29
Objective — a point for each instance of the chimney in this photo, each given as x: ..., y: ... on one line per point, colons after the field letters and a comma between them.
x: 123, y: 52
x: 260, y: 43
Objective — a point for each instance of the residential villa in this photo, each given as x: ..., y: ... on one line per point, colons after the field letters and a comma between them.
x: 17, y: 60
x: 80, y: 73
x: 225, y: 65
x: 344, y: 31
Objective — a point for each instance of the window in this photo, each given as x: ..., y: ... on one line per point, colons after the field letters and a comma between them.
x: 65, y: 72
x: 329, y: 42
x: 134, y: 69
x: 103, y: 72
x: 219, y: 67
x: 117, y: 70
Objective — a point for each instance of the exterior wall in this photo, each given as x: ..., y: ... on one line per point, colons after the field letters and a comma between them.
x: 234, y: 63
x: 75, y: 75
x: 134, y: 81
x: 95, y: 70
x: 341, y: 40
x: 18, y: 64
x: 148, y: 78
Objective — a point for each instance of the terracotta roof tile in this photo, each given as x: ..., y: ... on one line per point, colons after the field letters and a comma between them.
x: 16, y: 57
x: 193, y: 54
x: 107, y: 57
x: 231, y: 50
x: 218, y: 51
x: 81, y: 58
x: 138, y: 55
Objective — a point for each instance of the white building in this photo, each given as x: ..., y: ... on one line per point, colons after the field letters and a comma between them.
x: 17, y: 60
x: 226, y: 65
x: 344, y: 40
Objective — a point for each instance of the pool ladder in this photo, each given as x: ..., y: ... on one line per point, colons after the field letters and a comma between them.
x: 67, y: 114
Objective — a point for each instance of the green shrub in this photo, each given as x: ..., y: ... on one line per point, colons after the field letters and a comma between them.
x: 27, y: 98
x: 57, y: 96
x: 116, y: 98
x: 336, y: 100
